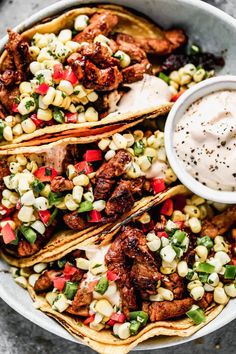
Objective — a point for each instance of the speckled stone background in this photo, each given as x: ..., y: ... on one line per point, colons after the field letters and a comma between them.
x: 19, y: 336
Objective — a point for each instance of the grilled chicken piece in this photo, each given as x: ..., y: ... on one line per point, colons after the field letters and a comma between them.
x: 219, y: 224
x: 10, y: 77
x: 4, y: 171
x: 117, y: 263
x: 74, y: 221
x: 45, y: 281
x: 102, y: 23
x: 81, y: 311
x: 99, y: 55
x: 77, y: 62
x: 173, y: 39
x: 135, y: 72
x: 18, y: 48
x: 206, y: 300
x: 126, y: 43
x: 26, y: 249
x: 121, y: 199
x: 103, y: 188
x: 163, y: 310
x: 174, y: 283
x: 101, y: 79
x: 82, y: 300
x: 8, y: 96
x: 3, y: 112
x: 116, y: 166
x: 137, y: 185
x: 61, y: 184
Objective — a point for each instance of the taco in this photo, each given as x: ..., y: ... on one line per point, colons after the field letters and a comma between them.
x: 168, y: 277
x: 90, y: 68
x: 54, y: 197
x: 82, y: 70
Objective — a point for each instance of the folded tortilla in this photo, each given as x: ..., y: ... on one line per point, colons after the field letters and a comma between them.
x: 65, y: 242
x: 128, y: 111
x: 104, y: 342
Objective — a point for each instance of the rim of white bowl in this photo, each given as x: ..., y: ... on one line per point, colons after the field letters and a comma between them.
x: 215, y: 84
x: 64, y: 5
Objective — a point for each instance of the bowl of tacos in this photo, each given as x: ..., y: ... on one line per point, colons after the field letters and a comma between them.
x: 100, y: 242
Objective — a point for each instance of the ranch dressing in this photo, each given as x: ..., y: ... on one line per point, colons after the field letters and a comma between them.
x: 205, y: 140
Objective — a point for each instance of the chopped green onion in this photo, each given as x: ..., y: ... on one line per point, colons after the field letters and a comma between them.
x: 164, y: 77
x: 29, y: 234
x: 194, y: 49
x: 230, y: 271
x: 53, y: 216
x: 205, y: 241
x: 178, y: 237
x: 203, y: 277
x: 138, y: 148
x: 70, y: 290
x: 134, y: 327
x: 54, y: 198
x: 190, y: 275
x: 1, y: 128
x: 196, y: 315
x: 139, y: 316
x: 61, y: 263
x: 205, y: 268
x: 85, y: 206
x: 179, y: 252
x: 37, y: 186
x: 102, y: 286
x: 58, y: 115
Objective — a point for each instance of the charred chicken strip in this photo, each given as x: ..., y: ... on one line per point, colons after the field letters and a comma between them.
x: 61, y: 184
x: 117, y: 263
x: 4, y: 171
x: 8, y: 96
x: 81, y: 301
x: 103, y: 188
x: 121, y: 199
x: 45, y: 281
x: 102, y: 23
x: 135, y: 72
x: 175, y: 284
x: 74, y: 221
x: 99, y: 55
x: 219, y: 224
x: 101, y: 79
x: 163, y: 310
x: 116, y: 166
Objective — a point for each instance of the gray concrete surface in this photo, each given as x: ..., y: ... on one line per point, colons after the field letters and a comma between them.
x: 19, y: 336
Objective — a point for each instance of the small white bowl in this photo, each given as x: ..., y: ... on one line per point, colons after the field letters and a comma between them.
x: 227, y: 82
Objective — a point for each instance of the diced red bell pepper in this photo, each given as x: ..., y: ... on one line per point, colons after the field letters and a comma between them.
x: 93, y: 155
x: 69, y: 75
x: 69, y: 270
x: 59, y: 283
x: 177, y: 95
x: 92, y: 285
x: 179, y: 224
x: 58, y: 72
x: 111, y: 323
x: 233, y: 261
x: 15, y: 108
x: 83, y: 167
x: 118, y: 317
x: 148, y: 227
x: 5, y: 211
x: 71, y: 117
x: 8, y: 234
x: 42, y: 89
x: 161, y: 234
x: 45, y: 216
x: 45, y: 174
x: 89, y: 319
x: 112, y: 276
x: 179, y: 202
x: 168, y: 207
x: 37, y: 122
x: 158, y: 185
x: 94, y: 216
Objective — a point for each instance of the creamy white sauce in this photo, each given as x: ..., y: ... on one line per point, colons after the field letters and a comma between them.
x: 144, y: 94
x: 157, y: 170
x: 97, y: 254
x: 54, y: 157
x: 205, y: 140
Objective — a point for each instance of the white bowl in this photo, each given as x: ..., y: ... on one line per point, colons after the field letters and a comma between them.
x: 205, y: 25
x: 225, y: 82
